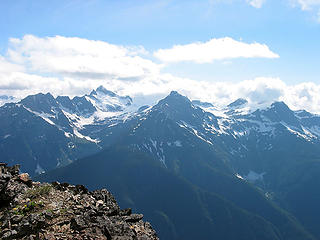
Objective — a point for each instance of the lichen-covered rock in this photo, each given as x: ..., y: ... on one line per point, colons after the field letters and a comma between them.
x: 33, y: 210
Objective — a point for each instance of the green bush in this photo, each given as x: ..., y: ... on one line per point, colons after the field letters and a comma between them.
x: 39, y: 191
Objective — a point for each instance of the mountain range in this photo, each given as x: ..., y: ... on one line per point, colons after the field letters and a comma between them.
x: 196, y: 171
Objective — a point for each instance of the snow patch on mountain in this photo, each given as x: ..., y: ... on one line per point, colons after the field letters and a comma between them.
x: 315, y: 130
x: 177, y: 143
x: 107, y: 101
x: 296, y: 131
x: 193, y: 130
x: 78, y: 120
x: 155, y: 148
x: 39, y: 169
x: 239, y: 176
x: 6, y: 136
x: 253, y: 176
x: 79, y: 135
x: 44, y: 116
x: 263, y: 127
x: 218, y: 112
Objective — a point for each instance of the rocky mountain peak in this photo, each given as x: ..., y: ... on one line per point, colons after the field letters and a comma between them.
x: 237, y: 103
x: 39, y: 97
x: 106, y: 100
x: 40, y: 102
x: 280, y: 111
x: 179, y: 108
x: 102, y: 90
x: 177, y: 95
x: 280, y: 106
x: 175, y: 99
x: 34, y: 210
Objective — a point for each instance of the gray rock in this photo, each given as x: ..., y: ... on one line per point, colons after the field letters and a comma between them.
x: 133, y: 218
x: 125, y: 212
x: 11, y: 234
x: 63, y: 211
x: 77, y: 223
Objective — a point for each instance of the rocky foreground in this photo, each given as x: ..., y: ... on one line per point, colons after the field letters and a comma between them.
x: 33, y: 210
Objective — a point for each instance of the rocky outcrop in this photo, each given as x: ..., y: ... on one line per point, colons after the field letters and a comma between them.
x: 33, y: 210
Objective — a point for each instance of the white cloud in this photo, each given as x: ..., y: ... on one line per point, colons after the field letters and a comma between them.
x: 79, y: 57
x: 303, y: 4
x: 256, y: 91
x: 31, y: 67
x: 253, y: 3
x: 256, y: 3
x: 307, y: 4
x: 214, y: 49
x: 149, y: 90
x: 312, y: 6
x: 7, y: 67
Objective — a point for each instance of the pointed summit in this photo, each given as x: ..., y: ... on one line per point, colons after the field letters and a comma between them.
x: 108, y: 101
x: 280, y: 112
x: 237, y: 103
x: 174, y: 99
x: 280, y: 106
x: 179, y: 108
x: 102, y: 89
x: 174, y: 93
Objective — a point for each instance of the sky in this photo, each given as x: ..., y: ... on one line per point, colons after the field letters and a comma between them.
x: 212, y: 50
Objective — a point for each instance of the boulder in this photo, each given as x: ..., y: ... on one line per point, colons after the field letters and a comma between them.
x: 63, y: 211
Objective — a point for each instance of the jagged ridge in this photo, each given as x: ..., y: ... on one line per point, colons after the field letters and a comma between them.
x: 33, y: 210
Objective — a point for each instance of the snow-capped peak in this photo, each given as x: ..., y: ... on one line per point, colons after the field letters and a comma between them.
x: 108, y: 101
x: 237, y: 103
x: 103, y: 91
x: 174, y: 98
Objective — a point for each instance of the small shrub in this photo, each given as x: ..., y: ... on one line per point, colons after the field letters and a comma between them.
x: 39, y: 191
x: 23, y: 210
x: 63, y: 211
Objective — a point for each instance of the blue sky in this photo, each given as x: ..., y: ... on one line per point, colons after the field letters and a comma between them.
x: 289, y: 28
x: 292, y: 33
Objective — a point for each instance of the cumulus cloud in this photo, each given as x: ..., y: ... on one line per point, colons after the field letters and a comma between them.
x: 150, y: 90
x: 256, y: 3
x: 214, y: 49
x: 257, y: 91
x: 8, y: 67
x: 73, y: 66
x: 312, y: 6
x: 307, y: 4
x: 79, y: 57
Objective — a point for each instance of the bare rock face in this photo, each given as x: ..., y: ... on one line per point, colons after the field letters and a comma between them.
x: 33, y: 210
